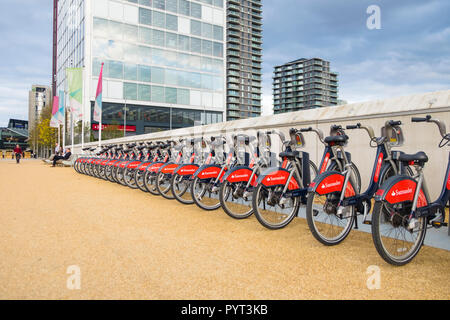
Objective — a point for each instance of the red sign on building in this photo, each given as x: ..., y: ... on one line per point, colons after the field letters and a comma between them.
x: 95, y: 127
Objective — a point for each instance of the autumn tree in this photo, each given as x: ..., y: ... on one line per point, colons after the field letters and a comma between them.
x: 43, y: 134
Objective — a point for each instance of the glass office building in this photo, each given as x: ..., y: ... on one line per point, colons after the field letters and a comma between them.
x: 163, y: 60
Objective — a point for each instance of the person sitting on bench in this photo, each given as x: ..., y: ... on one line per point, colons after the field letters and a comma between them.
x: 66, y: 156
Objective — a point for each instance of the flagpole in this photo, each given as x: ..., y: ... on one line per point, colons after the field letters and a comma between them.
x: 82, y: 115
x: 100, y: 132
x: 98, y: 109
x: 72, y: 124
x: 101, y: 112
x: 66, y: 101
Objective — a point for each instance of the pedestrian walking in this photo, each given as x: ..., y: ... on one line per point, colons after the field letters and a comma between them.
x: 18, y: 153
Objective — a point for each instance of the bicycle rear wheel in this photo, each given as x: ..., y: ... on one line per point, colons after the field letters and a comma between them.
x: 395, y: 243
x: 205, y: 194
x: 139, y: 179
x: 326, y: 225
x: 181, y: 188
x: 163, y: 185
x: 150, y: 183
x: 235, y: 200
x: 120, y: 174
x: 268, y: 209
x: 129, y: 178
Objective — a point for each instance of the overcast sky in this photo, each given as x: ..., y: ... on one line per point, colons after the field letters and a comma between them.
x: 410, y: 53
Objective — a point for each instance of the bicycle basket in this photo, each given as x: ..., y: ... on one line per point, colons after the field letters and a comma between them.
x: 337, y: 130
x: 394, y: 135
x: 297, y: 140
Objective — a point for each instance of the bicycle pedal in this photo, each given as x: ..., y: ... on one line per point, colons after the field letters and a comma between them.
x: 368, y: 222
x: 315, y: 212
x: 438, y: 224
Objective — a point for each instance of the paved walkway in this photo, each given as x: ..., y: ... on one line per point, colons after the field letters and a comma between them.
x: 128, y: 244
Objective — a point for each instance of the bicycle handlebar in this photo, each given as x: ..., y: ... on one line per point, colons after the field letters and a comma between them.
x: 394, y: 123
x: 368, y: 129
x: 441, y: 125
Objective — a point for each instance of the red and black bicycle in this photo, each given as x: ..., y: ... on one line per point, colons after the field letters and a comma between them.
x: 403, y: 209
x: 334, y: 200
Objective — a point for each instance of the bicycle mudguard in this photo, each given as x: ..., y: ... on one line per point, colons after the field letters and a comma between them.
x: 124, y: 164
x: 275, y: 177
x: 168, y: 167
x: 239, y: 174
x: 186, y: 169
x: 329, y: 182
x: 208, y: 171
x: 104, y: 162
x: 398, y: 189
x: 154, y: 167
x: 134, y: 164
x: 143, y: 166
x: 111, y: 163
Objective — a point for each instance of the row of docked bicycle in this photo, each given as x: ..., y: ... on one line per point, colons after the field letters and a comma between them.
x: 244, y: 176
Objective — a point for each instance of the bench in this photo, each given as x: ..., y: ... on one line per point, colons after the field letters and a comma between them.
x: 65, y: 163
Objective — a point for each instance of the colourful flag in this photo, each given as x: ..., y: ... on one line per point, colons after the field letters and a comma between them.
x: 98, y: 99
x: 54, y: 120
x: 61, y: 110
x: 75, y: 80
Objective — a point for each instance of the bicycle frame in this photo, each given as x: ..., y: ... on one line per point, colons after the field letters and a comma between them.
x: 248, y: 174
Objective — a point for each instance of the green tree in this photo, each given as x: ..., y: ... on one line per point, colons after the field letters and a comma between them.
x: 43, y: 137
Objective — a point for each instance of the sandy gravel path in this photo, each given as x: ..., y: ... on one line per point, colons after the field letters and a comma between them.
x: 131, y: 245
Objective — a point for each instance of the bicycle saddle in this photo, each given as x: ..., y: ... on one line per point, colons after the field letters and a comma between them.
x: 289, y: 154
x: 336, y: 139
x: 419, y: 157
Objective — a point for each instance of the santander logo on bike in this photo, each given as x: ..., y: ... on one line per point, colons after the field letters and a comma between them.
x: 237, y: 176
x: 397, y: 192
x: 331, y: 184
x: 275, y: 178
